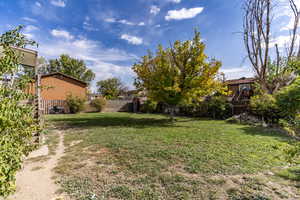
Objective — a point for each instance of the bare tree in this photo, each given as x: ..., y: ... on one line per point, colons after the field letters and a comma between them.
x: 257, y: 38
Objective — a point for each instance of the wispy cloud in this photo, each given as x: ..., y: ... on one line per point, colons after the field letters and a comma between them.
x: 175, y: 1
x: 183, y: 13
x: 58, y: 3
x: 28, y: 19
x: 237, y: 72
x: 101, y: 60
x: 29, y: 31
x: 132, y: 39
x: 87, y: 25
x: 154, y: 10
x: 30, y: 28
x: 62, y: 34
x: 38, y: 4
x: 123, y: 21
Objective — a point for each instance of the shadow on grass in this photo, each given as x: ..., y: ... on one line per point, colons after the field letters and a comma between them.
x: 268, y: 132
x: 116, y: 121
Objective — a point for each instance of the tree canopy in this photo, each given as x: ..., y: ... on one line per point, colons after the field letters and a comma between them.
x: 110, y: 88
x: 181, y: 73
x: 69, y: 66
x: 17, y: 122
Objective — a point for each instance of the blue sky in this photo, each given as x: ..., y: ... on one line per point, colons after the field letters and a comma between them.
x: 110, y: 35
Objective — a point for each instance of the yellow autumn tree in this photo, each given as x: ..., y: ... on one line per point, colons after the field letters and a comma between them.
x: 179, y: 74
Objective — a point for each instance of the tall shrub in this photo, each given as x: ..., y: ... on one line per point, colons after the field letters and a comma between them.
x: 265, y: 106
x: 75, y: 104
x: 98, y: 103
x: 17, y: 123
x: 218, y: 107
x: 288, y: 99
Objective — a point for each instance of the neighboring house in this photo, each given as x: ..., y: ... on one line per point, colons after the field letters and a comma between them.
x: 56, y: 87
x: 241, y: 89
x: 241, y: 92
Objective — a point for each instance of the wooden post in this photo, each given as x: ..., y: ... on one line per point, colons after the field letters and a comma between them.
x: 37, y: 101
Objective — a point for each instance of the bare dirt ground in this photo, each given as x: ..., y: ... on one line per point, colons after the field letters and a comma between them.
x: 35, y: 181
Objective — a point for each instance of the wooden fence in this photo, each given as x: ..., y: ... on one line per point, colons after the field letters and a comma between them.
x: 118, y: 106
x: 46, y: 105
x: 111, y: 106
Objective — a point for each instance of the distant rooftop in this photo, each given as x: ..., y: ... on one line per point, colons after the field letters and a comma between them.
x: 242, y: 80
x: 64, y: 75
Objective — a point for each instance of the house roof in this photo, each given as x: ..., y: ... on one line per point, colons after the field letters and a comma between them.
x: 242, y: 80
x: 28, y: 57
x: 64, y: 75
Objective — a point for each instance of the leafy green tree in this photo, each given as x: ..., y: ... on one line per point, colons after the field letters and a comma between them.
x: 70, y: 66
x: 181, y: 74
x: 17, y: 123
x: 111, y: 88
x: 288, y: 99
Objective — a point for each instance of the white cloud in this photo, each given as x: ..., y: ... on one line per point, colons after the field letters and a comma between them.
x: 283, y: 9
x: 29, y: 35
x: 28, y: 19
x: 38, y: 4
x: 154, y: 10
x: 175, y: 1
x: 62, y: 34
x: 237, y: 72
x: 124, y: 21
x: 30, y: 28
x: 88, y: 26
x: 110, y: 20
x: 183, y: 13
x: 283, y: 40
x: 28, y: 31
x: 132, y: 39
x: 101, y: 60
x: 58, y: 3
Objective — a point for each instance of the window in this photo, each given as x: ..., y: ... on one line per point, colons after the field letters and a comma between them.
x: 244, y: 86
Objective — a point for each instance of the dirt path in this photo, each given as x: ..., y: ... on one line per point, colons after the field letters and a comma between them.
x: 34, y: 181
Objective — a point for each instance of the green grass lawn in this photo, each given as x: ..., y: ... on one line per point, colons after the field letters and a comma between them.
x: 141, y: 156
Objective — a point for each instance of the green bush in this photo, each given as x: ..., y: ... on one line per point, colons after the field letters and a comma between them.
x: 149, y: 106
x: 17, y: 121
x: 98, y: 103
x: 288, y: 99
x: 218, y: 107
x: 265, y: 106
x: 75, y: 104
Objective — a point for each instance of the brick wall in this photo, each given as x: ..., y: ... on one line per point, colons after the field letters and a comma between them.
x: 54, y: 88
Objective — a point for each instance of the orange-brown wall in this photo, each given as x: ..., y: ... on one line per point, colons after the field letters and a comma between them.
x: 58, y: 89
